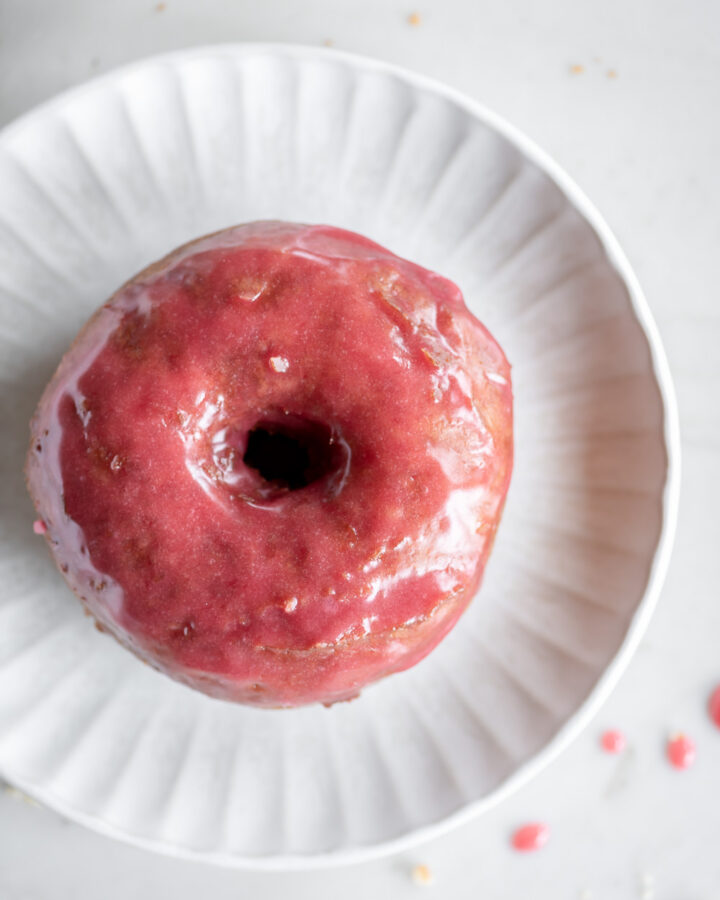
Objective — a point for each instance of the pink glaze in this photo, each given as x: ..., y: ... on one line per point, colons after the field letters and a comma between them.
x: 714, y: 706
x: 681, y: 751
x: 531, y: 837
x: 258, y: 590
x: 613, y: 741
x: 39, y: 527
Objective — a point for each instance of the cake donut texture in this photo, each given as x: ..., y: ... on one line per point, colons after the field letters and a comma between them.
x: 272, y: 465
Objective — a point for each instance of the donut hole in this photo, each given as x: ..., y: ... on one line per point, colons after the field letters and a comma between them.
x: 295, y: 452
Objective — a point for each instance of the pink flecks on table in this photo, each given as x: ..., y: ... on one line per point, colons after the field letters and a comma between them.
x: 714, y: 706
x: 39, y: 527
x: 681, y: 751
x: 613, y: 741
x: 531, y: 837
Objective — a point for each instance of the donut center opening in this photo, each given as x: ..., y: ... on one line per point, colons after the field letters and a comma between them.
x: 292, y: 453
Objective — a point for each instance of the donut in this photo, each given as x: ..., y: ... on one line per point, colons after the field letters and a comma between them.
x: 272, y: 465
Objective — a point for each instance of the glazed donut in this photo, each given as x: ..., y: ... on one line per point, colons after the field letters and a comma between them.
x: 272, y: 464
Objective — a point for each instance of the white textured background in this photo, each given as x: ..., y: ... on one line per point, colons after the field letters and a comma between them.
x: 645, y: 146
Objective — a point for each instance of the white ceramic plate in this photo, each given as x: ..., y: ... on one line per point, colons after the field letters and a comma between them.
x: 105, y: 179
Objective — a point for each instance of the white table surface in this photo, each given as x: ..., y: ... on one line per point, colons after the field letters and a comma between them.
x: 645, y: 146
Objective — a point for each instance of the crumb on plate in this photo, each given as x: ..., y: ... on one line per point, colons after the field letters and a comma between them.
x: 422, y: 875
x: 19, y: 795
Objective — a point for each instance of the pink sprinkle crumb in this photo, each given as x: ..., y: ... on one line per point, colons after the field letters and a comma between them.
x: 681, y: 751
x: 714, y: 706
x: 39, y: 527
x: 613, y: 741
x: 531, y: 837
